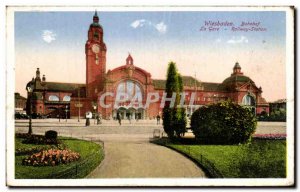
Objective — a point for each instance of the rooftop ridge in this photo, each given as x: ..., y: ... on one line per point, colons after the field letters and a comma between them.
x: 65, y: 83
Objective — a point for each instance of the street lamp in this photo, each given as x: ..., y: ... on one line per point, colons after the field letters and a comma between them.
x: 95, y: 107
x: 29, y: 88
x: 66, y: 112
x: 79, y: 104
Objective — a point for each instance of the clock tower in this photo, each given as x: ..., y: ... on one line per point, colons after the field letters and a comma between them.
x: 95, y: 51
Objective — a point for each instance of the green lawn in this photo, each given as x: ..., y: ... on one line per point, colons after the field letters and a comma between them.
x: 91, y: 154
x: 261, y: 159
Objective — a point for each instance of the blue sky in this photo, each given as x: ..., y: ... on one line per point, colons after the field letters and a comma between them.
x: 153, y: 38
x: 71, y: 27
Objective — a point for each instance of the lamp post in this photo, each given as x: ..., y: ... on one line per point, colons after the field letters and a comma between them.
x: 78, y: 104
x: 29, y: 89
x: 95, y: 107
x: 66, y: 112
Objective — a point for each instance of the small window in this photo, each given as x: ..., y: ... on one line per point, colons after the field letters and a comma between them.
x: 248, y: 100
x: 53, y: 98
x: 67, y: 98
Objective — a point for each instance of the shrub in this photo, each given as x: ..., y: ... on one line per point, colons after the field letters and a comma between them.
x: 168, y: 121
x: 180, y: 122
x: 223, y: 123
x: 277, y: 115
x: 51, y: 134
x: 38, y: 140
x: 51, y: 157
x: 22, y: 135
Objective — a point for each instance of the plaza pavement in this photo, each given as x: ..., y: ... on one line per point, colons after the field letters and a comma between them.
x: 128, y: 153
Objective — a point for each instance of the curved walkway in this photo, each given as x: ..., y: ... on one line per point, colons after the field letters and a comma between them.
x: 141, y: 159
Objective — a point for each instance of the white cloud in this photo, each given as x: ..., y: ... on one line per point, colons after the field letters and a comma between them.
x: 219, y: 40
x: 160, y: 27
x: 48, y: 36
x: 138, y: 23
x: 236, y: 40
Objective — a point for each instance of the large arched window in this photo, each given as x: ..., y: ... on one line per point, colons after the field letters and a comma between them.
x: 248, y: 100
x: 53, y: 98
x: 129, y: 88
x: 67, y: 98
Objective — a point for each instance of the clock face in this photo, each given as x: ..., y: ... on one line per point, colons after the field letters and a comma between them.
x: 96, y: 48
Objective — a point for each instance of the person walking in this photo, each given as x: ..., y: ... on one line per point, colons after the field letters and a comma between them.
x: 129, y: 118
x: 88, y: 115
x: 158, y: 119
x: 119, y: 118
x: 99, y: 117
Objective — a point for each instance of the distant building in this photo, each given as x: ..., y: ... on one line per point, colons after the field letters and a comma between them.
x: 53, y: 98
x: 20, y: 103
x: 277, y: 105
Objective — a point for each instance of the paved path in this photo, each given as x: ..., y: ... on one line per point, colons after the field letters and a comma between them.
x: 128, y: 153
x: 141, y: 159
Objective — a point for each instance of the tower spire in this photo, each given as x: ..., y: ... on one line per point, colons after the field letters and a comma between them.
x: 96, y: 18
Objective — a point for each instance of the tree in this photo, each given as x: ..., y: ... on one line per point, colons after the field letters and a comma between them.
x: 174, y: 120
x: 180, y: 115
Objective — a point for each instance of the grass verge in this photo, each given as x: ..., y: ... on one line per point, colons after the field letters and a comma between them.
x: 91, y: 156
x: 260, y: 159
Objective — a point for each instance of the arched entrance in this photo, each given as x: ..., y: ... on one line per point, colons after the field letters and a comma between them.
x: 249, y: 102
x: 126, y: 113
x: 131, y: 105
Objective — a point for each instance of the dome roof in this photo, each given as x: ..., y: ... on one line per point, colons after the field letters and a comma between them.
x: 237, y: 78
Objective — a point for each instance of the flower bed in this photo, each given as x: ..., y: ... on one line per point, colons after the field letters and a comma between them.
x: 51, y: 157
x: 31, y: 150
x: 270, y: 136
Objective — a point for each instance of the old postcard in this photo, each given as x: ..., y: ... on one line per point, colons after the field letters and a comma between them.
x: 150, y: 96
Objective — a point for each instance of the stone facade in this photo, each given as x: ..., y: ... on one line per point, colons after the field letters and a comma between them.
x: 77, y: 99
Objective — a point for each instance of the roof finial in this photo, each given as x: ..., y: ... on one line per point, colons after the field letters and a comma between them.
x: 129, y: 60
x: 96, y: 13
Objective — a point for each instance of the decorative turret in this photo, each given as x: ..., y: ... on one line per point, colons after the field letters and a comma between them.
x: 37, y: 75
x: 237, y: 69
x: 129, y: 60
x: 44, y: 78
